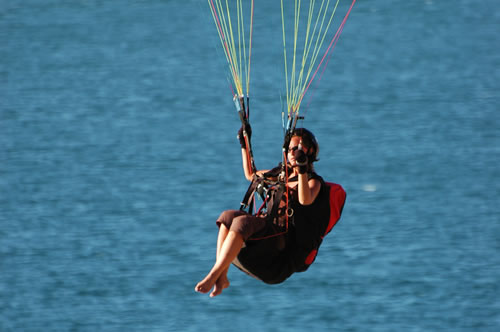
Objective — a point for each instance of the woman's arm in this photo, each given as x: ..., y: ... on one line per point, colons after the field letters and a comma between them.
x: 246, y: 165
x: 308, y: 190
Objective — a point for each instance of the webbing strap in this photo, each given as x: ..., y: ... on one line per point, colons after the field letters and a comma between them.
x: 247, y: 201
x: 274, y: 202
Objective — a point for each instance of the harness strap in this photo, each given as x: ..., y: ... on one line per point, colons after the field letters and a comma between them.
x: 274, y: 202
x: 247, y: 201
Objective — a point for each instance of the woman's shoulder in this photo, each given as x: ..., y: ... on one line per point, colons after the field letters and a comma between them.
x: 316, y: 176
x: 315, y: 179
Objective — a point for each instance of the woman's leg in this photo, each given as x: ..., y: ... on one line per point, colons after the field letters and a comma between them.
x: 224, y: 222
x: 231, y: 246
x: 221, y: 283
x: 234, y: 227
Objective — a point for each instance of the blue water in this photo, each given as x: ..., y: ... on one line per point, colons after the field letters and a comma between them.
x: 118, y: 151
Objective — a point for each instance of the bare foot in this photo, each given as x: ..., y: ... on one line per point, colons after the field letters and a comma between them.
x: 206, y: 284
x: 221, y: 284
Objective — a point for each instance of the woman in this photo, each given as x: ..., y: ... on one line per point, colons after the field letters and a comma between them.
x: 287, y: 253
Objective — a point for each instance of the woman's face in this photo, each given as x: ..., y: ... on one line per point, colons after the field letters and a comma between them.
x: 292, y: 147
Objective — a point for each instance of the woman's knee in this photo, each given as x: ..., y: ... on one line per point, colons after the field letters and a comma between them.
x: 242, y: 225
x: 226, y: 218
x: 228, y: 215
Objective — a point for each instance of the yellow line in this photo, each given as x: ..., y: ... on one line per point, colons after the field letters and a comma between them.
x: 284, y: 53
x: 314, y: 37
x: 234, y: 46
x: 318, y: 48
x: 250, y: 47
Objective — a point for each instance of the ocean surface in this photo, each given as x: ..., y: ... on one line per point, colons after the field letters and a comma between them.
x: 118, y: 152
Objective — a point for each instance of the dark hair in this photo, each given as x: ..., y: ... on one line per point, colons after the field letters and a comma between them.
x: 310, y: 142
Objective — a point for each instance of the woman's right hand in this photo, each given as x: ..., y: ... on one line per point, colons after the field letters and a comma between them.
x: 241, y: 137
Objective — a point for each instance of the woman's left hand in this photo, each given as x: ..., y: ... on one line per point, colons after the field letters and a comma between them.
x: 300, y: 160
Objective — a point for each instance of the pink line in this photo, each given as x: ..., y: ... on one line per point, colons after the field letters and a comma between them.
x: 221, y: 33
x: 330, y: 48
x: 250, y: 46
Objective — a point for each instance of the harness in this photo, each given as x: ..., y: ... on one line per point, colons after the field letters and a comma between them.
x: 272, y: 191
x: 336, y: 200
